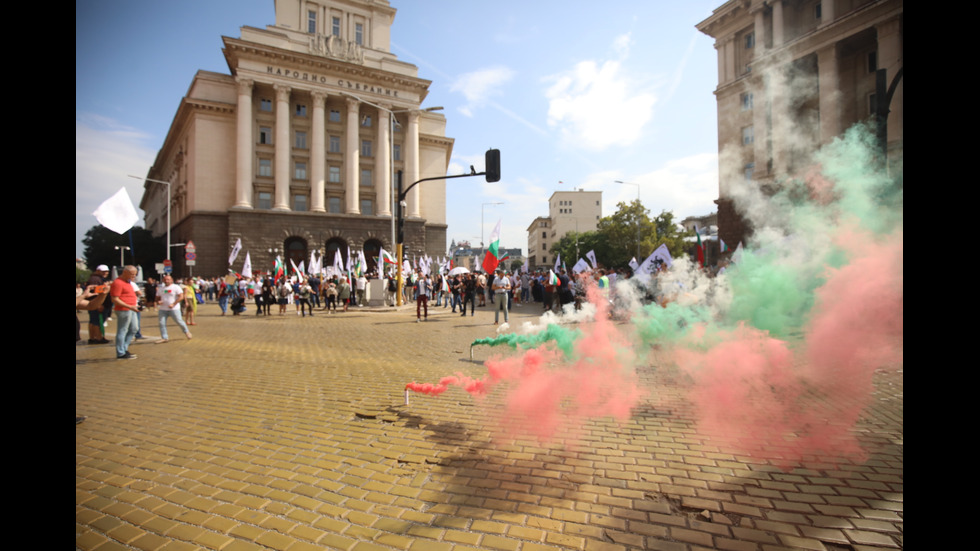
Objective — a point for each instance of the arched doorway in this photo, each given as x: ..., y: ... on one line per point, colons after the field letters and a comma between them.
x: 296, y: 252
x: 372, y: 248
x: 331, y: 247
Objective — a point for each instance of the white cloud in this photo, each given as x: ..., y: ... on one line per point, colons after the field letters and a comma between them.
x: 596, y: 106
x: 480, y: 85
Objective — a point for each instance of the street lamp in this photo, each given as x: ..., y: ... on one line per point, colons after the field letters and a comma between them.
x: 637, y: 218
x: 121, y: 248
x: 392, y: 122
x: 168, y: 206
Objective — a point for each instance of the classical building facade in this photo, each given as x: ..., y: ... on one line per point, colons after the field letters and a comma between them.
x: 568, y: 211
x: 794, y: 74
x: 296, y: 150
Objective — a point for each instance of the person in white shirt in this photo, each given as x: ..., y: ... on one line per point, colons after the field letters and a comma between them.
x: 501, y: 294
x: 169, y: 297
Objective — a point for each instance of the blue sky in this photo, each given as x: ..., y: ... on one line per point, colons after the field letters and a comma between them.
x: 573, y: 94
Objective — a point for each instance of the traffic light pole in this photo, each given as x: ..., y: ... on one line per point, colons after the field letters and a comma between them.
x: 492, y: 174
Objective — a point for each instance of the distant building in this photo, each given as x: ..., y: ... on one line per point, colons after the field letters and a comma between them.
x: 293, y: 151
x: 794, y: 74
x: 576, y: 211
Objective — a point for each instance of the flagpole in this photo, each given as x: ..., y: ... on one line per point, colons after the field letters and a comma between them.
x: 168, y: 206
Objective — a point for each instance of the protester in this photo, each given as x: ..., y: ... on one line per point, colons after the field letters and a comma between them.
x: 169, y: 298
x: 423, y: 288
x: 125, y: 305
x: 97, y: 317
x: 501, y: 293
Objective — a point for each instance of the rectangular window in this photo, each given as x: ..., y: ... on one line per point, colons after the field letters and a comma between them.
x: 335, y: 144
x: 333, y: 205
x: 544, y: 246
x: 544, y: 235
x: 300, y: 140
x: 747, y: 100
x: 335, y: 174
x: 367, y: 206
x: 299, y: 203
x: 872, y: 61
x: 265, y: 135
x: 366, y: 121
x: 750, y: 41
x: 749, y: 169
x: 311, y: 22
x: 265, y: 105
x: 818, y: 11
x: 335, y: 26
x: 359, y: 34
x: 366, y: 148
x: 748, y: 135
x: 366, y: 179
x: 334, y: 115
x: 397, y: 152
x: 265, y: 200
x: 300, y: 110
x: 300, y: 171
x: 265, y: 167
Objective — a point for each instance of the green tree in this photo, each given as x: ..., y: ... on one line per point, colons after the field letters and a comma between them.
x: 145, y: 250
x: 574, y: 245
x: 670, y: 233
x: 629, y: 232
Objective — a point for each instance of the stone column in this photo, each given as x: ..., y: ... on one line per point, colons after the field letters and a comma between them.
x: 412, y: 163
x: 318, y: 153
x: 382, y: 163
x: 352, y: 158
x: 283, y: 148
x: 244, y: 149
x: 778, y: 25
x: 829, y: 88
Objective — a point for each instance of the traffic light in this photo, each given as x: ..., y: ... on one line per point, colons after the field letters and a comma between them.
x: 493, y: 165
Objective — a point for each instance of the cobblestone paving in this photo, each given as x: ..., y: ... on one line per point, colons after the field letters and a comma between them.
x: 291, y: 433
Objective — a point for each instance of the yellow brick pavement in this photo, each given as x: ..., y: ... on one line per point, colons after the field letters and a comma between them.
x: 290, y: 433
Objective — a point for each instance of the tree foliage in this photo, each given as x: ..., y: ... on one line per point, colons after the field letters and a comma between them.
x: 144, y: 250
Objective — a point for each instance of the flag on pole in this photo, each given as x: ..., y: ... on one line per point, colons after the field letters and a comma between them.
x: 492, y: 257
x: 723, y: 245
x: 338, y: 262
x: 634, y: 265
x: 247, y: 268
x: 580, y: 266
x: 234, y: 251
x: 279, y: 269
x: 553, y: 279
x: 700, y: 247
x: 117, y: 212
x: 526, y: 267
x: 384, y: 257
x: 591, y: 256
x: 557, y: 262
x: 293, y: 264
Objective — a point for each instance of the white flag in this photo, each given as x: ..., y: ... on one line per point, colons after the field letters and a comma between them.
x: 117, y: 212
x: 591, y: 256
x: 557, y: 262
x: 234, y: 251
x: 338, y: 262
x: 657, y: 258
x: 634, y: 265
x: 580, y: 266
x: 247, y: 268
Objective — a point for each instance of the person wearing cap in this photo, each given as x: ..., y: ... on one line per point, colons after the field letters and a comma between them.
x: 96, y: 317
x: 501, y: 294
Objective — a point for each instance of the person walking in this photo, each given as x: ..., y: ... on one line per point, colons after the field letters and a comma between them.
x: 125, y: 307
x: 169, y: 296
x: 423, y: 288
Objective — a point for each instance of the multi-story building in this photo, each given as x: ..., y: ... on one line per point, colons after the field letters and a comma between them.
x: 794, y: 74
x: 296, y: 149
x: 568, y: 211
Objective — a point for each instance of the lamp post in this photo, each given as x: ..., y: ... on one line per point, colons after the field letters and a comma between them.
x: 637, y: 218
x: 168, y: 205
x: 121, y: 248
x: 392, y: 122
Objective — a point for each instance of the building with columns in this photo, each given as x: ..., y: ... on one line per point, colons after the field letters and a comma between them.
x: 295, y: 151
x: 793, y: 75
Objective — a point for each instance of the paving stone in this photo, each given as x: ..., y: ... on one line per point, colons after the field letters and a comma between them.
x: 291, y: 433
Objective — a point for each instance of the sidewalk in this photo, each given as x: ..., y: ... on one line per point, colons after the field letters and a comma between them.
x: 292, y: 433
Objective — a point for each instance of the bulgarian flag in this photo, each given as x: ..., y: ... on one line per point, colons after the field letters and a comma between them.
x: 385, y: 258
x: 700, y: 247
x: 492, y: 257
x: 553, y: 279
x: 279, y: 270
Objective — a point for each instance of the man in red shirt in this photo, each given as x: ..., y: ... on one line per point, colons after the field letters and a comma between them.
x: 126, y: 306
